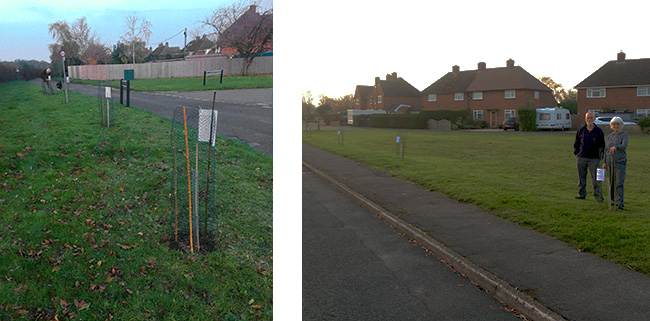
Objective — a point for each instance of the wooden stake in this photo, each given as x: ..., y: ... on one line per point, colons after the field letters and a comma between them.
x: 189, y: 179
x: 175, y: 189
x: 196, y: 196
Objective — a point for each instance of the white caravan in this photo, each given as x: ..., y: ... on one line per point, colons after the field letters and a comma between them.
x: 553, y: 118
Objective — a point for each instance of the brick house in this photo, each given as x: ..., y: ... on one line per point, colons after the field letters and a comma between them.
x: 490, y: 94
x: 253, y: 26
x: 619, y: 86
x: 394, y: 95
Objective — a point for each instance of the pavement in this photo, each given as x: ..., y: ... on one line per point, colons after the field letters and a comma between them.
x: 543, y: 278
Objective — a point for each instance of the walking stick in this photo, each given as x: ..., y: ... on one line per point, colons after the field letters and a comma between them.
x: 189, y: 179
x: 614, y: 183
x: 609, y: 187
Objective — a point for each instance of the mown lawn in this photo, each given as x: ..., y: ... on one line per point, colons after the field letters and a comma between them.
x: 193, y: 83
x: 85, y: 219
x: 529, y: 179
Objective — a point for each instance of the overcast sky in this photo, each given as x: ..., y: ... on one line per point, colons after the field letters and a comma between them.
x: 24, y: 24
x: 347, y: 43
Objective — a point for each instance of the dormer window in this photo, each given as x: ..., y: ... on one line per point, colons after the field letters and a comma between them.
x: 459, y: 96
x: 510, y: 94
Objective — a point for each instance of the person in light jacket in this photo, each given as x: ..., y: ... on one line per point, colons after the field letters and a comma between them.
x: 616, y: 155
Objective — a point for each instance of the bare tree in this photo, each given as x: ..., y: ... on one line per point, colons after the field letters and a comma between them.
x: 138, y: 31
x: 240, y: 27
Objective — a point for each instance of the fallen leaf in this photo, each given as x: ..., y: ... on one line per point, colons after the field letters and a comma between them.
x: 127, y: 247
x: 257, y: 306
x: 56, y: 268
x: 81, y: 305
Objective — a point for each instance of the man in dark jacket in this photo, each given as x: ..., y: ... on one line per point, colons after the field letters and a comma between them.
x: 588, y: 147
x: 46, y: 76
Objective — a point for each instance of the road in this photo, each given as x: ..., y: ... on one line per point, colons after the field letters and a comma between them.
x: 245, y: 114
x: 356, y: 267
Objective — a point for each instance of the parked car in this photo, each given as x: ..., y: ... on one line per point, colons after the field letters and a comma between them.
x: 604, y: 121
x: 511, y: 123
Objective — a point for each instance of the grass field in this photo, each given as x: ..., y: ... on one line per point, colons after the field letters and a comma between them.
x: 85, y: 219
x: 193, y: 83
x: 529, y: 179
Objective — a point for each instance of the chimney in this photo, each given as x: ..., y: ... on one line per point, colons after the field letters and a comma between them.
x: 388, y: 77
x: 166, y: 44
x: 253, y: 8
x: 394, y: 74
x: 621, y: 56
x: 376, y: 81
x: 455, y: 68
x: 481, y: 66
x: 510, y: 63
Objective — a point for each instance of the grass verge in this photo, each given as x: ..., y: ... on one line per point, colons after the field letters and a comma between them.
x: 85, y: 217
x: 527, y: 179
x: 193, y: 83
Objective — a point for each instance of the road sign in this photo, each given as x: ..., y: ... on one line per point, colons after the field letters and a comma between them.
x: 62, y: 53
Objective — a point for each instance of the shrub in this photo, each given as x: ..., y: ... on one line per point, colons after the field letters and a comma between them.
x: 527, y: 114
x: 407, y: 121
x: 644, y: 123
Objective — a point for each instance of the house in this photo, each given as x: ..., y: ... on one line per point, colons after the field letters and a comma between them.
x: 364, y: 97
x: 201, y: 47
x: 490, y: 94
x: 165, y: 52
x: 619, y: 86
x: 253, y: 25
x: 394, y: 95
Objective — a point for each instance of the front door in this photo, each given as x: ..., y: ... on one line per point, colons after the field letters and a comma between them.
x: 493, y: 119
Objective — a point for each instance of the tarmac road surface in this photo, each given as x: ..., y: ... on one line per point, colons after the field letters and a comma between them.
x: 356, y: 267
x: 244, y: 114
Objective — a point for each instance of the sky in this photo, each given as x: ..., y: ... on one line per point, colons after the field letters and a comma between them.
x: 349, y: 43
x: 24, y: 25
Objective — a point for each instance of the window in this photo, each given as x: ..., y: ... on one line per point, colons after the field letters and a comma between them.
x: 357, y: 101
x: 478, y: 115
x: 643, y: 113
x: 510, y: 94
x: 379, y: 99
x: 595, y: 111
x: 433, y: 97
x: 537, y: 95
x: 595, y: 92
x: 568, y: 116
x: 544, y: 116
x: 510, y: 114
x: 459, y: 96
x: 477, y: 95
x: 643, y: 91
x: 370, y: 101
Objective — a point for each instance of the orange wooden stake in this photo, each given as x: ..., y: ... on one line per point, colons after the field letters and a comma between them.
x: 189, y: 179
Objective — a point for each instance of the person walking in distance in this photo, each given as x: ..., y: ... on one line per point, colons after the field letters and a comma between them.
x: 616, y: 160
x: 588, y: 147
x: 46, y: 76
